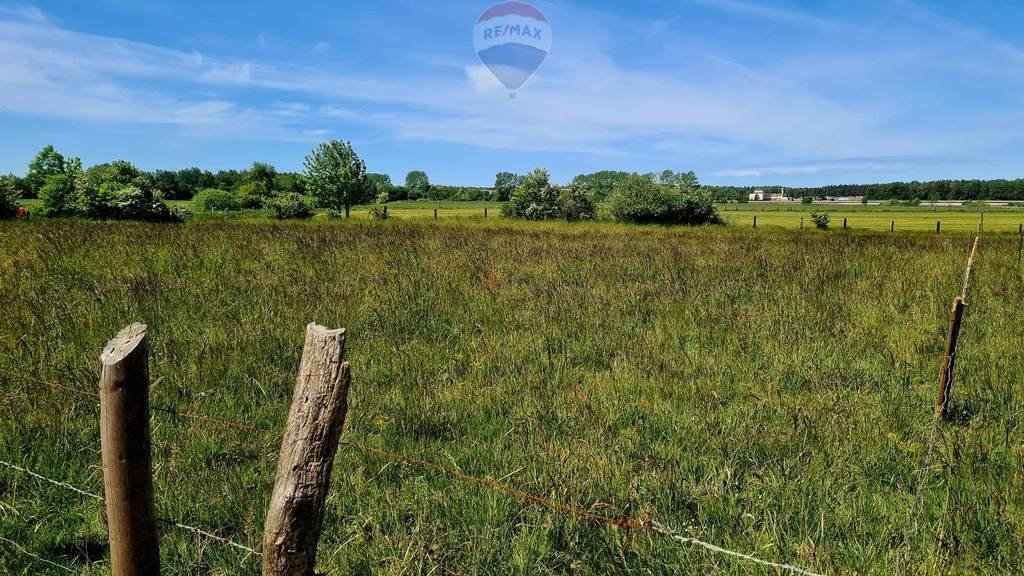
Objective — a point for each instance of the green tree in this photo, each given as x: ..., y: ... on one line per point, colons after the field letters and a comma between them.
x: 336, y: 176
x: 263, y: 174
x: 59, y: 195
x: 47, y: 162
x: 504, y: 184
x: 601, y: 184
x: 382, y: 185
x: 8, y: 198
x: 535, y: 198
x: 417, y: 184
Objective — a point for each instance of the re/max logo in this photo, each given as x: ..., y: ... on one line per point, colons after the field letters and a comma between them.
x: 511, y: 30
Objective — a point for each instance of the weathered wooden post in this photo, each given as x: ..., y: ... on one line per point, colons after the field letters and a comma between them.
x: 127, y: 463
x: 892, y: 226
x: 1020, y: 243
x: 435, y: 213
x: 844, y: 223
x: 801, y: 223
x: 949, y: 360
x: 755, y: 221
x: 485, y: 212
x: 938, y: 226
x: 315, y: 421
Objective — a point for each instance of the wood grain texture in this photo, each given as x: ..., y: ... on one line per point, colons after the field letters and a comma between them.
x: 315, y: 422
x: 127, y: 462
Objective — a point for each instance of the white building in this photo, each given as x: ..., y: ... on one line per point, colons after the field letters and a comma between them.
x: 758, y: 195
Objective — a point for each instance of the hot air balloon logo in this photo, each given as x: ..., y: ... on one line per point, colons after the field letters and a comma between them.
x: 512, y: 40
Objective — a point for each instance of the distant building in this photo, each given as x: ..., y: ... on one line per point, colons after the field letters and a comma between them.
x: 778, y: 197
x: 758, y: 195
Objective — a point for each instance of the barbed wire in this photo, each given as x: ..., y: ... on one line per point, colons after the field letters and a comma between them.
x: 175, y: 523
x: 35, y: 556
x: 669, y: 533
x: 42, y: 478
x: 924, y: 473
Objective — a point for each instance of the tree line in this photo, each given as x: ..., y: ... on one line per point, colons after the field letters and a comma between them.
x: 935, y: 190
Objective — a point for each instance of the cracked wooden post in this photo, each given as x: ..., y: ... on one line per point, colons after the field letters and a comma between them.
x: 127, y: 462
x: 949, y: 360
x: 315, y: 421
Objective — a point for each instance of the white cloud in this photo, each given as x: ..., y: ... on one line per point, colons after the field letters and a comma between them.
x: 581, y: 100
x: 321, y: 48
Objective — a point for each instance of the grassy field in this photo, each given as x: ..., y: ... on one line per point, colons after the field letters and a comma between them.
x: 767, y: 392
x: 788, y: 216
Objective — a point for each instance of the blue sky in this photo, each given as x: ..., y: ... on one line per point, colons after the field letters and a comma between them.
x: 742, y: 92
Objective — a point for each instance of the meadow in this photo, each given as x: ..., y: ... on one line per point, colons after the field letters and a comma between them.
x: 769, y: 391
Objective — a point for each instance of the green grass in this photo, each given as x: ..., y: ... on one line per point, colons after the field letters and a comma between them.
x: 769, y: 392
x: 875, y: 218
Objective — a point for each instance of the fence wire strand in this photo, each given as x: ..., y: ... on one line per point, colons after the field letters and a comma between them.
x: 35, y: 556
x: 175, y: 523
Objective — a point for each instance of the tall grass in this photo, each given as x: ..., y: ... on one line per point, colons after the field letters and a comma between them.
x: 767, y: 391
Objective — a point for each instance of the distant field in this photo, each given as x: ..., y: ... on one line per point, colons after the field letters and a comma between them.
x: 770, y: 393
x: 769, y: 216
x: 876, y: 218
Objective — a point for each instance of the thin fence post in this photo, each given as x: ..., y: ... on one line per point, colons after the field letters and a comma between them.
x: 485, y: 212
x: 949, y: 360
x: 844, y: 223
x: 315, y: 421
x: 127, y: 462
x: 755, y: 221
x: 892, y: 226
x: 1020, y: 243
x: 801, y: 223
x: 938, y: 226
x: 435, y: 213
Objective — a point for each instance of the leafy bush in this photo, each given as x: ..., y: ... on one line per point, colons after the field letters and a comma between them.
x: 8, y: 198
x: 379, y: 212
x: 291, y: 206
x: 574, y: 202
x: 253, y: 195
x: 534, y: 199
x: 59, y: 195
x: 821, y: 219
x: 134, y: 203
x: 807, y: 200
x: 213, y: 199
x: 639, y: 200
x: 333, y: 214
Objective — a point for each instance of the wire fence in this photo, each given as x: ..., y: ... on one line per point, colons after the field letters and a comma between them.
x: 628, y: 523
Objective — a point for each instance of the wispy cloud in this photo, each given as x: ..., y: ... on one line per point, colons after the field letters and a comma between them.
x: 790, y: 117
x: 764, y: 12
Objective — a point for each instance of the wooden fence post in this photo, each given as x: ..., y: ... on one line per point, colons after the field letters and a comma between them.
x: 485, y: 212
x: 949, y: 360
x: 315, y: 421
x: 801, y: 223
x: 127, y: 462
x: 844, y: 223
x: 1020, y: 243
x: 435, y: 213
x: 755, y: 221
x: 938, y: 226
x: 892, y: 226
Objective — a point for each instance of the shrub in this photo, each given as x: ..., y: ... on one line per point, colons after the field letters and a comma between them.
x: 134, y: 203
x: 216, y: 200
x: 821, y: 219
x: 291, y: 206
x: 59, y: 195
x: 379, y: 212
x: 575, y: 202
x: 807, y: 200
x: 333, y: 214
x: 534, y: 199
x: 639, y: 200
x: 8, y: 198
x: 253, y: 195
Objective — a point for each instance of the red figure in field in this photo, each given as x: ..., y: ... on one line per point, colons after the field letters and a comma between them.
x: 22, y: 213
